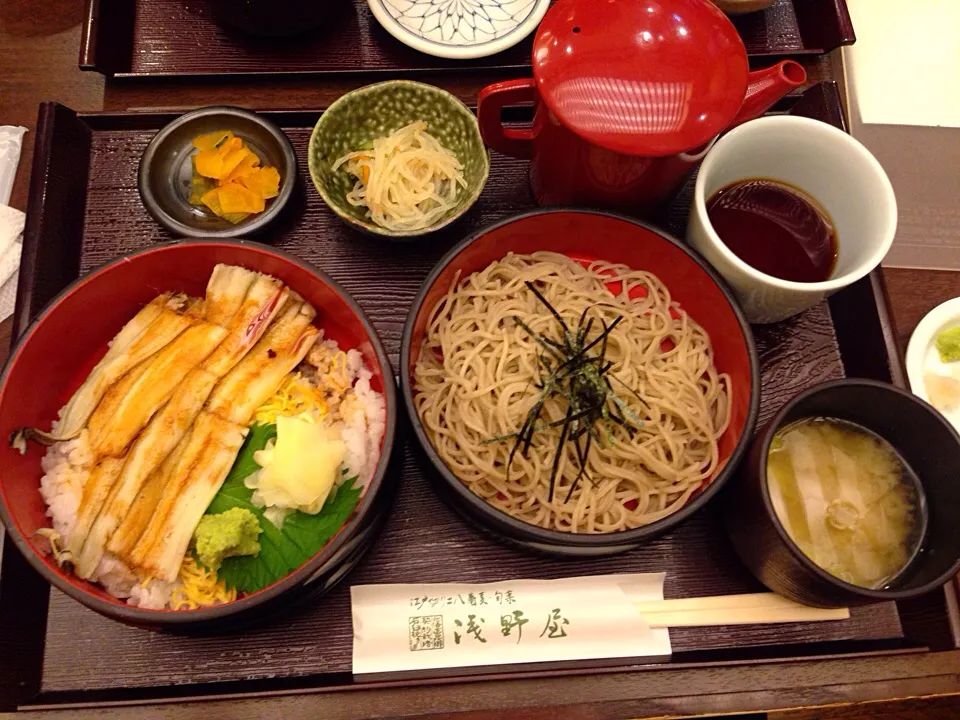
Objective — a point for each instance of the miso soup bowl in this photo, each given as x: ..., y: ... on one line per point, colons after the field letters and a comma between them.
x: 924, y: 439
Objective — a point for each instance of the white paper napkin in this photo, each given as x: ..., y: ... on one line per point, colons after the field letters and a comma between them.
x: 11, y: 140
x: 11, y: 245
x: 11, y: 220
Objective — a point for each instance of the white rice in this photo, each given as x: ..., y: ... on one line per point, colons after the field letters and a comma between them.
x: 364, y: 422
x: 66, y: 467
x: 360, y: 413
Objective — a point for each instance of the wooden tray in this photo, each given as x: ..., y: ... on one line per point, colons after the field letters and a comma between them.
x: 157, y: 38
x: 85, y: 210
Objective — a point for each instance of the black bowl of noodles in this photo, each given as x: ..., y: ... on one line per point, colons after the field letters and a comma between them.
x: 581, y: 382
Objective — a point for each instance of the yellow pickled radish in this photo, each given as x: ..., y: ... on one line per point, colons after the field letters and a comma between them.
x: 228, y: 178
x: 248, y: 165
x: 236, y: 198
x: 210, y: 141
x: 232, y: 160
x: 208, y: 163
x: 265, y: 182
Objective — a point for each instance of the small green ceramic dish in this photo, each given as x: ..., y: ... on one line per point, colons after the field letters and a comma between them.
x: 378, y: 110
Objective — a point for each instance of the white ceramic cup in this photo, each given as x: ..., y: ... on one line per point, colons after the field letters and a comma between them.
x: 827, y: 164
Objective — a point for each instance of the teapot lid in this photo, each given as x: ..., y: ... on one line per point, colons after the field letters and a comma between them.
x: 641, y: 77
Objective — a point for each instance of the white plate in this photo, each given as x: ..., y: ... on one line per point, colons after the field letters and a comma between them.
x: 459, y: 29
x: 922, y: 354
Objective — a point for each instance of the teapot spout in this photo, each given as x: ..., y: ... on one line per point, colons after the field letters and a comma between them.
x: 768, y: 85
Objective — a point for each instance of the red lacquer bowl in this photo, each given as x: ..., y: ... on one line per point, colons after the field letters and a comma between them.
x: 58, y: 350
x: 590, y: 235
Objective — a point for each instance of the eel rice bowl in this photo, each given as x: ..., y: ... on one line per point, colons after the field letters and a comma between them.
x: 219, y: 444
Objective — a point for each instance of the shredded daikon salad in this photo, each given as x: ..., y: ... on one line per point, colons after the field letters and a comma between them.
x: 407, y: 181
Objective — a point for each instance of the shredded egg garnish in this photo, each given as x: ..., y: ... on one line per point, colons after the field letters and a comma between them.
x: 199, y: 587
x: 296, y: 396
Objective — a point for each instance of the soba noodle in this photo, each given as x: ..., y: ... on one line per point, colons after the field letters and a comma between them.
x: 475, y: 380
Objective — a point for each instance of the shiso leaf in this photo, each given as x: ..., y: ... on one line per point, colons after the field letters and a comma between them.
x: 302, y: 536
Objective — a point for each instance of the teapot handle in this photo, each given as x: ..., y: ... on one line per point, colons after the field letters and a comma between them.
x: 515, y: 142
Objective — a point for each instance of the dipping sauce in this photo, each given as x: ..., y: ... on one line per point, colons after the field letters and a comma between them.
x: 847, y: 499
x: 775, y: 228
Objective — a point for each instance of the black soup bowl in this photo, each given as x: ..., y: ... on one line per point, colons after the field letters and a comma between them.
x: 925, y: 441
x: 589, y: 235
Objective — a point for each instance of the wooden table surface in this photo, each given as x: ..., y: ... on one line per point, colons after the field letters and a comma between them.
x: 38, y: 61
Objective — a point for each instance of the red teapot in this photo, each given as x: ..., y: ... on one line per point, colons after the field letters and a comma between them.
x: 629, y: 96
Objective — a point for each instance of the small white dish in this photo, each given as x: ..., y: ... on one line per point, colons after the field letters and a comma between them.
x: 459, y: 29
x: 923, y: 356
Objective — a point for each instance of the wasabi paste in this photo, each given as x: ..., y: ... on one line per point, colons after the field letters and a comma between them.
x: 228, y: 534
x: 948, y: 345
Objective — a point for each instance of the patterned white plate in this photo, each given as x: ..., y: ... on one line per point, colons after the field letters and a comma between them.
x: 459, y: 29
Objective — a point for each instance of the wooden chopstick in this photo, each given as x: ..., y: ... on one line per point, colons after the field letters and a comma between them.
x: 756, y: 608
